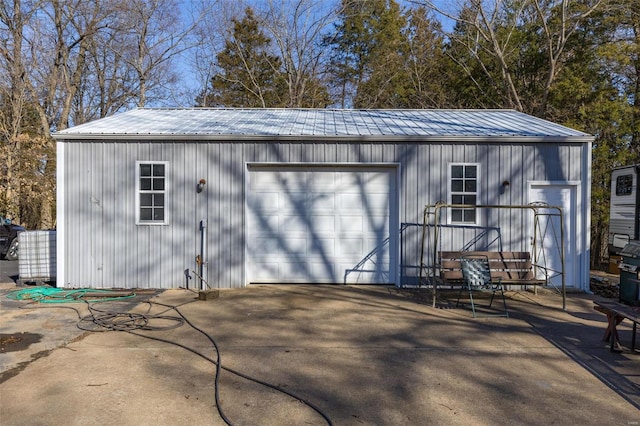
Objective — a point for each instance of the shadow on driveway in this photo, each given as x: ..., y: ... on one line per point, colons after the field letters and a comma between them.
x: 362, y: 354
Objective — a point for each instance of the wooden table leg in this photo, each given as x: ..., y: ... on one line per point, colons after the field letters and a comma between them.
x: 612, y: 331
x: 613, y: 321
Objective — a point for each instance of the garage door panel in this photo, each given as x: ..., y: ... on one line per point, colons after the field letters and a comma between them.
x: 308, y: 271
x: 314, y: 225
x: 264, y: 247
x: 321, y: 246
x: 268, y: 180
x: 328, y: 221
x: 293, y: 180
x: 292, y: 224
x: 322, y: 181
x: 319, y: 271
x: 370, y: 180
x: 369, y: 203
x: 265, y: 224
x: 378, y: 202
x: 378, y: 224
x: 355, y: 181
x: 323, y: 201
x: 265, y: 271
x: 351, y: 247
x: 294, y: 202
x: 322, y: 224
x: 351, y: 224
x: 350, y: 202
x: 294, y: 245
x: 269, y: 201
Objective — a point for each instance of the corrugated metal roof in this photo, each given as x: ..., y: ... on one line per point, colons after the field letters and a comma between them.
x: 283, y: 124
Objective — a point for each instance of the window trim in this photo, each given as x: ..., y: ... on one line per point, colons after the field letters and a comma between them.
x: 165, y: 192
x: 450, y: 193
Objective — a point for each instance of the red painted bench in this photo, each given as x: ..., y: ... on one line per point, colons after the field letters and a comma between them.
x: 616, y: 313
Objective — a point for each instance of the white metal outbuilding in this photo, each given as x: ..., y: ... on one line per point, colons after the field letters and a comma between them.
x: 300, y: 195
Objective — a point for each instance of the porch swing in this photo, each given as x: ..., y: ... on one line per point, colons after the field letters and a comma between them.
x: 547, y: 240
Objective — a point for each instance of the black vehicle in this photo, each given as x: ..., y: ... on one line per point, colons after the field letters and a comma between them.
x: 9, y: 239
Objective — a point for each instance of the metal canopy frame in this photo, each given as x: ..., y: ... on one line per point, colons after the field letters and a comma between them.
x: 540, y: 229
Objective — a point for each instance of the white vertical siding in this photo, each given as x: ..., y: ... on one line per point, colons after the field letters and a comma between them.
x: 105, y: 248
x: 61, y: 242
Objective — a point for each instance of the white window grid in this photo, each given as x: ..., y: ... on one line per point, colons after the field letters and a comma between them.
x: 464, y: 188
x: 151, y: 192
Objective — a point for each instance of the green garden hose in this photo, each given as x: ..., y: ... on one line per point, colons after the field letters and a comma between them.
x: 60, y: 295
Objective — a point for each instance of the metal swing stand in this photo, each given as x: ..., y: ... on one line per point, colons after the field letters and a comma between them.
x: 544, y: 230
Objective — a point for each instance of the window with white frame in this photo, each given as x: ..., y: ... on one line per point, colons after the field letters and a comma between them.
x: 151, y: 192
x: 464, y: 190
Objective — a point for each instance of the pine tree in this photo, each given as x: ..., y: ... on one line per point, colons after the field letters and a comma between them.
x: 250, y: 76
x: 428, y: 68
x: 369, y: 51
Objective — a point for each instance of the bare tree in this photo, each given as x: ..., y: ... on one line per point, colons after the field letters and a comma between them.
x: 108, y: 83
x: 64, y: 62
x: 153, y: 38
x: 210, y: 40
x: 558, y: 32
x: 490, y: 37
x: 14, y: 18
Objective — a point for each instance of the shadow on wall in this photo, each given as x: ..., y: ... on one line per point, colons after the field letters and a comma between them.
x: 308, y: 222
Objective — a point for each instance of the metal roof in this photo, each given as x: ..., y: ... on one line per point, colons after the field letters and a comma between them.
x: 313, y: 124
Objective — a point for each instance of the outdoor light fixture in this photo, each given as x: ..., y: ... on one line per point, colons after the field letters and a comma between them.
x: 503, y: 187
x: 201, y: 185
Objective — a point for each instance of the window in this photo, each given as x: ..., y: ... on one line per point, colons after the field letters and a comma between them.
x: 624, y: 185
x: 464, y: 190
x: 151, y: 192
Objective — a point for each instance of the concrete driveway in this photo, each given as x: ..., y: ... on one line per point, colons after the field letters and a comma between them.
x: 9, y: 272
x: 354, y: 354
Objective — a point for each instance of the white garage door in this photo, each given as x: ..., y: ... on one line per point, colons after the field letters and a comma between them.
x: 321, y: 224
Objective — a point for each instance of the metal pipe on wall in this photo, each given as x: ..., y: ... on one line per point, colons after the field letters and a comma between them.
x: 203, y: 239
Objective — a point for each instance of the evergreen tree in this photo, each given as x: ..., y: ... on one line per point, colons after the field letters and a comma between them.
x: 512, y: 53
x: 471, y: 83
x: 250, y: 76
x: 369, y: 51
x: 386, y: 81
x: 428, y: 68
x: 626, y: 54
x: 349, y: 48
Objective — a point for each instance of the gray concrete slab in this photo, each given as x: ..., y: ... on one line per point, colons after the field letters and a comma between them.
x: 360, y: 354
x: 8, y: 272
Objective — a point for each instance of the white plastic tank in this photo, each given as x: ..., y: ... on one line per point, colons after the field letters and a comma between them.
x: 37, y: 256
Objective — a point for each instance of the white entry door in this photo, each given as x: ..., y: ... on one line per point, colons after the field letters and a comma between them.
x: 548, y: 232
x: 321, y: 224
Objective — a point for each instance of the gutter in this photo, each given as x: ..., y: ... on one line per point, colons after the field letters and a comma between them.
x: 164, y: 137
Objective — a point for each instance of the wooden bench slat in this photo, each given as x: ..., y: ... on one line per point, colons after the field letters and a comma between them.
x: 490, y: 254
x: 450, y: 264
x: 513, y: 268
x: 513, y: 275
x: 452, y: 275
x: 493, y: 264
x: 507, y: 255
x: 523, y: 282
